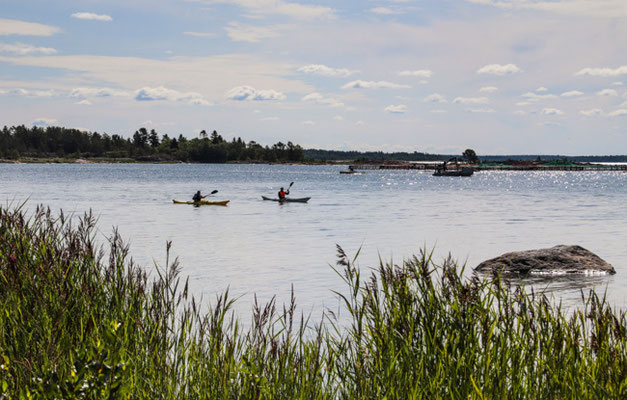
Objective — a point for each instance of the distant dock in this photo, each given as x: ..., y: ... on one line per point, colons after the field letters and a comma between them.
x: 523, y: 166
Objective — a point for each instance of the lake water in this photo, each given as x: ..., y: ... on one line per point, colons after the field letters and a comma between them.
x: 255, y: 246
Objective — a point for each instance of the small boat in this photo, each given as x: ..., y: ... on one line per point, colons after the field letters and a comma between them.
x: 288, y: 199
x: 352, y: 172
x: 464, y: 171
x: 203, y: 202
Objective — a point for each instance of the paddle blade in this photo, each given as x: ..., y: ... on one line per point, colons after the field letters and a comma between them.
x: 214, y: 192
x: 290, y: 185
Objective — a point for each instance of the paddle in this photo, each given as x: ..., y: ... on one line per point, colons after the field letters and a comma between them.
x: 214, y: 192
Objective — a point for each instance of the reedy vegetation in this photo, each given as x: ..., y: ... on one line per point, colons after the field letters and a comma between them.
x: 80, y: 322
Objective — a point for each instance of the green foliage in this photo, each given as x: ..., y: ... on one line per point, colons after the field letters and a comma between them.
x: 35, y: 142
x: 79, y: 322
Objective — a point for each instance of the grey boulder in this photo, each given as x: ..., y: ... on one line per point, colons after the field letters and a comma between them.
x: 555, y: 260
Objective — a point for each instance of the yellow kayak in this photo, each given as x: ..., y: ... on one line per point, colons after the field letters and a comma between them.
x: 202, y: 202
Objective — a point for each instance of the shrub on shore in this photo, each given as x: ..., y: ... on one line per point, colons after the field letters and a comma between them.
x: 81, y: 322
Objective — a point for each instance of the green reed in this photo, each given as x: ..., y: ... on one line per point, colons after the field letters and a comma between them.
x: 81, y: 321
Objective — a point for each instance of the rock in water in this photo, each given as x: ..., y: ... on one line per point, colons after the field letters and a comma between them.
x: 556, y: 260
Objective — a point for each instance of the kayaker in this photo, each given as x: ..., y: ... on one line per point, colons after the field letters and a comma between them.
x: 283, y: 193
x: 197, y: 197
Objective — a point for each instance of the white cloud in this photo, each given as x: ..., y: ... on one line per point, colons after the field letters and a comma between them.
x: 320, y: 99
x: 373, y: 85
x: 25, y: 49
x: 488, y: 89
x: 92, y: 16
x: 421, y: 73
x: 319, y: 69
x: 523, y: 103
x: 618, y: 113
x: 572, y: 93
x: 280, y: 7
x: 482, y: 110
x: 84, y: 102
x: 535, y: 97
x: 308, y: 122
x: 438, y: 111
x: 542, y: 89
x: 209, y: 35
x: 162, y: 93
x: 592, y: 112
x: 15, y: 27
x: 520, y: 112
x: 471, y: 100
x: 498, y: 69
x: 434, y: 98
x: 584, y: 8
x: 45, y: 122
x: 85, y: 92
x: 360, y: 122
x: 385, y: 11
x: 617, y: 83
x: 607, y: 92
x: 338, y: 118
x: 396, y: 109
x: 270, y: 119
x: 242, y: 93
x: 27, y: 93
x: 603, y: 72
x: 551, y: 111
x: 250, y: 34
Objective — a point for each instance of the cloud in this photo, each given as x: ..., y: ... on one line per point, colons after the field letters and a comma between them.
x: 208, y: 35
x: 308, y: 122
x: 320, y: 99
x: 45, y: 122
x: 471, y: 100
x: 338, y: 118
x: 84, y: 103
x: 250, y: 34
x: 603, y: 72
x: 421, y: 73
x: 498, y: 69
x: 85, y: 92
x: 584, y: 8
x: 488, y: 89
x: 92, y: 16
x: 373, y: 85
x: 396, y: 109
x: 551, y: 111
x: 438, y: 111
x: 25, y: 49
x: 523, y: 103
x: 434, y: 98
x: 591, y: 113
x: 385, y: 11
x: 162, y: 93
x: 270, y: 119
x: 572, y: 93
x: 535, y: 97
x: 617, y: 83
x: 27, y: 93
x: 15, y: 27
x: 542, y: 89
x: 323, y: 70
x: 248, y: 93
x: 482, y: 110
x: 280, y: 7
x: 618, y: 113
x: 607, y: 92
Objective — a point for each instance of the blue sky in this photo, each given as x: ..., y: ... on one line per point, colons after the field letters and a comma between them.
x: 498, y: 76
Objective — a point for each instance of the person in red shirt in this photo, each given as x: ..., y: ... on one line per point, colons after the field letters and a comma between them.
x: 283, y: 193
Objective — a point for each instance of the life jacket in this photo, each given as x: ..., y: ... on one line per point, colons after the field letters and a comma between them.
x: 281, y: 194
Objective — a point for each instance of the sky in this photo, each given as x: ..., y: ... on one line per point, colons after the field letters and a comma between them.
x: 437, y: 76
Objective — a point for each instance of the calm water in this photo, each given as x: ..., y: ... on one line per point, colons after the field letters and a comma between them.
x: 255, y: 246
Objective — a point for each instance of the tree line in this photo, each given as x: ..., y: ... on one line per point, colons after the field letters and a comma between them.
x: 51, y: 142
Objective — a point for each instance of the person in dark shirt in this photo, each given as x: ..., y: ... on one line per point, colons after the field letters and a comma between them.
x: 197, y: 197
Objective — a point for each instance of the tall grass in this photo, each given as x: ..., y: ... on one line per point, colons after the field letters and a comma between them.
x: 77, y: 321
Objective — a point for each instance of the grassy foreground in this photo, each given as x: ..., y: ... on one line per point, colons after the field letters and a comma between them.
x: 77, y: 321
